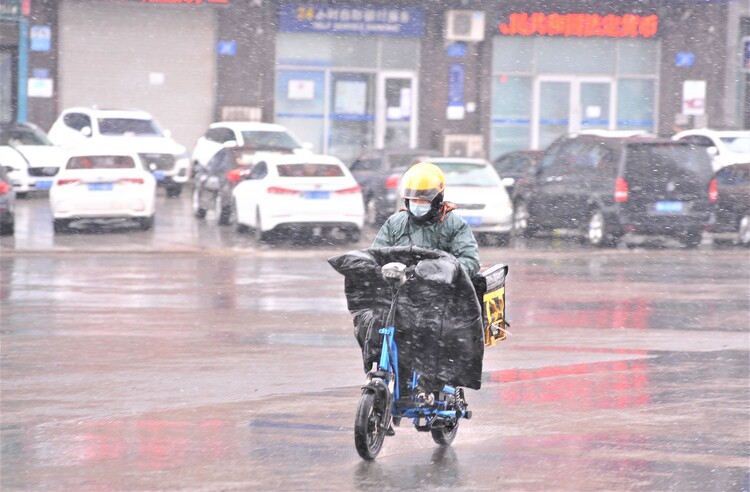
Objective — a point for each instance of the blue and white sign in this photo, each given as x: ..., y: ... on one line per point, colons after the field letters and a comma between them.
x: 363, y: 21
x: 456, y: 106
x: 41, y: 38
x: 227, y: 48
x: 684, y: 59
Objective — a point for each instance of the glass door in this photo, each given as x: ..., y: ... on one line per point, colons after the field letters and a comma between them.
x: 351, y: 115
x: 396, y: 113
x: 569, y: 104
x: 552, y: 110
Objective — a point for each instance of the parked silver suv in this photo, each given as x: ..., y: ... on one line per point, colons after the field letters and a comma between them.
x: 168, y: 160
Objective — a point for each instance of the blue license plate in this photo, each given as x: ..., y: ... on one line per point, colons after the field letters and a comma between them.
x: 316, y: 195
x: 43, y: 185
x: 473, y: 221
x: 669, y: 207
x: 158, y: 175
x: 100, y: 186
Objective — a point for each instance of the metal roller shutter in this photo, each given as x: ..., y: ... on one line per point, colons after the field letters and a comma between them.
x: 158, y: 58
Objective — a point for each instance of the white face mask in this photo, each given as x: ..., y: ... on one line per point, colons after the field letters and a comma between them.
x: 419, y: 209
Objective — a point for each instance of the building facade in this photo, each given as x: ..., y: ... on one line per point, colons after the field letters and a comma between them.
x: 463, y: 76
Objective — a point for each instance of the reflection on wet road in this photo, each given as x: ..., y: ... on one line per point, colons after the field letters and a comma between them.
x: 221, y: 365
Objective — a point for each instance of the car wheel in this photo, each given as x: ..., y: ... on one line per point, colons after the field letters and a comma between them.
x: 7, y: 229
x: 597, y: 233
x: 225, y: 213
x: 521, y: 220
x: 692, y: 239
x: 260, y: 236
x: 502, y: 239
x: 60, y: 225
x: 198, y: 212
x: 174, y: 190
x: 353, y: 235
x: 146, y: 223
x: 743, y: 230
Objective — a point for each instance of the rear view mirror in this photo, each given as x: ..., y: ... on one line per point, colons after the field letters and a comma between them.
x: 167, y: 133
x: 86, y: 131
x: 712, y: 151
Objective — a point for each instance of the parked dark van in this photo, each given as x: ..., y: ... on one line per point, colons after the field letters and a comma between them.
x: 733, y: 203
x: 605, y: 186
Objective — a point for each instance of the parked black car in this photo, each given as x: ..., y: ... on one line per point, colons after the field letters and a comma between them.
x: 605, y: 187
x: 213, y: 183
x: 733, y: 203
x: 516, y: 165
x: 378, y: 172
x: 7, y: 203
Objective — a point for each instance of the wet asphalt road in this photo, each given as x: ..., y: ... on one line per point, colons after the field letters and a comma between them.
x: 190, y: 358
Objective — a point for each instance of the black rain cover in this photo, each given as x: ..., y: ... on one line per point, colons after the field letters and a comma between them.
x: 438, y: 318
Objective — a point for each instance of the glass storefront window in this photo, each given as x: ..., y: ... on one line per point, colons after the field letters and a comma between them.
x: 300, y: 104
x: 327, y: 87
x: 638, y: 56
x: 359, y: 53
x: 575, y: 56
x: 513, y: 54
x: 304, y: 49
x: 635, y: 104
x: 511, y: 113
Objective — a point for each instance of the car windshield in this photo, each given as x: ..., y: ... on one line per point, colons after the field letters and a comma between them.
x: 467, y: 174
x: 280, y: 140
x: 101, y: 162
x: 23, y: 136
x: 310, y: 171
x: 741, y: 145
x: 122, y: 126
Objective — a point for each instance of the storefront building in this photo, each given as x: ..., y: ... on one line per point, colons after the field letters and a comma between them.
x: 477, y: 78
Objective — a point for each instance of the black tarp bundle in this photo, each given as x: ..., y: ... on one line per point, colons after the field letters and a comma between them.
x: 438, y: 318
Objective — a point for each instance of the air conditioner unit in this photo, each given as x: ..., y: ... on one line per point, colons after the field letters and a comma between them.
x: 463, y: 145
x: 464, y: 25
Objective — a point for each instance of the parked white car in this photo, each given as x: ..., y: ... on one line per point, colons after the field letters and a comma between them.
x: 478, y: 191
x: 34, y: 159
x: 287, y: 194
x: 103, y: 182
x: 726, y: 146
x: 168, y: 160
x: 264, y: 137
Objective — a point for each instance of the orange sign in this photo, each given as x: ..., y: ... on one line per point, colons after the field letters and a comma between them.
x: 580, y: 25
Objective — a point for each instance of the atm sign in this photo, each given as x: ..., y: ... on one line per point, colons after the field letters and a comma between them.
x: 580, y: 25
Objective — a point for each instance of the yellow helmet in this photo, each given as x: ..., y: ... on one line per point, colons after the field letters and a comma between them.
x: 423, y: 180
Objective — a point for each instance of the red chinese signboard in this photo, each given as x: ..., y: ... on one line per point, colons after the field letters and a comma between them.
x: 580, y: 25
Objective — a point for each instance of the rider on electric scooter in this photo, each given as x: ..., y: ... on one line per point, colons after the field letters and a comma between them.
x: 427, y: 220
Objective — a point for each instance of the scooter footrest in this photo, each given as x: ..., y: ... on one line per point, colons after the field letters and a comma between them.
x: 467, y: 414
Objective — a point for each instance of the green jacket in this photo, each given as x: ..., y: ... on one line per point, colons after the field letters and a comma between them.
x: 450, y: 234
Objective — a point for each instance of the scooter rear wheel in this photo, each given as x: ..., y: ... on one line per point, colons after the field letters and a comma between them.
x: 368, y: 433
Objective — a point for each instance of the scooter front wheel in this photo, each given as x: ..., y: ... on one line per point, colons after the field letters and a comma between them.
x: 445, y: 434
x: 368, y: 433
